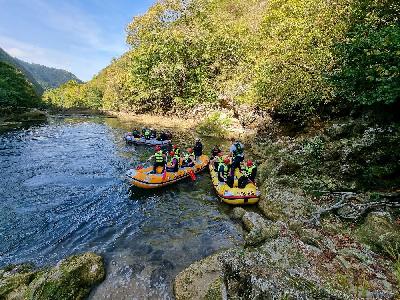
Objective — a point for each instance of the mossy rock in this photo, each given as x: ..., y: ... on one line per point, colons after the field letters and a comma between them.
x: 70, y: 279
x: 380, y: 233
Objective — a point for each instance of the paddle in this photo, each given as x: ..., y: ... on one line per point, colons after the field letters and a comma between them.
x: 192, y: 175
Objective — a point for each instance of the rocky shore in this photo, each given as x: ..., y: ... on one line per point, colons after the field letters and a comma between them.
x: 71, y: 278
x: 328, y: 221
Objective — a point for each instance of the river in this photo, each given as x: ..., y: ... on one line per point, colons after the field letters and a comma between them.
x: 63, y: 191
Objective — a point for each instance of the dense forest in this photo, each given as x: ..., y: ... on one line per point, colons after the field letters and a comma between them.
x: 6, y: 58
x: 15, y: 89
x: 48, y: 77
x: 295, y: 59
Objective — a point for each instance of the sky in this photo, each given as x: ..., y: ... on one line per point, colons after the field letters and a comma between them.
x: 80, y: 36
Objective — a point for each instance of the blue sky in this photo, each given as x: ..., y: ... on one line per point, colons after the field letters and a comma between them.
x: 81, y: 36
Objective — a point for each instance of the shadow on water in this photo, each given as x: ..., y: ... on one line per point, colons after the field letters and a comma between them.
x: 63, y: 191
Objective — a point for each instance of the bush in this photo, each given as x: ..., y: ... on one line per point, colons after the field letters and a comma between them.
x: 214, y: 125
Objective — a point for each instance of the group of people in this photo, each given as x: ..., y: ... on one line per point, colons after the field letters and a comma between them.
x: 226, y: 167
x: 151, y: 133
x: 172, y: 158
x: 173, y: 155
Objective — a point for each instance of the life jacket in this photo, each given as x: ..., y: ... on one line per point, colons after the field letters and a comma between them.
x: 248, y: 170
x: 177, y: 151
x: 187, y: 157
x: 238, y: 150
x: 175, y: 157
x: 225, y: 172
x: 159, y: 157
x: 147, y: 133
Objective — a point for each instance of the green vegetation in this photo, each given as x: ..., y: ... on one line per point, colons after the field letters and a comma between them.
x: 15, y: 89
x: 295, y: 59
x: 6, y: 58
x: 48, y: 77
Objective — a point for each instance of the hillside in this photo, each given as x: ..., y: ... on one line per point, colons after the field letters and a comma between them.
x: 15, y: 89
x: 48, y: 77
x: 293, y: 59
x: 6, y: 58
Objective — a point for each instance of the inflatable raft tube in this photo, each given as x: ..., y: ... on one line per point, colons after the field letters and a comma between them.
x: 234, y: 196
x: 142, y: 141
x: 144, y: 179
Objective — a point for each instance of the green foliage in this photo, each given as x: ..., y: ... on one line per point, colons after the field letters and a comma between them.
x: 6, y: 58
x: 15, y: 89
x: 214, y: 125
x: 295, y: 58
x: 368, y: 68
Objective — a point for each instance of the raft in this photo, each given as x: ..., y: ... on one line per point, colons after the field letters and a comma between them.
x: 143, y: 178
x: 234, y: 196
x: 130, y: 139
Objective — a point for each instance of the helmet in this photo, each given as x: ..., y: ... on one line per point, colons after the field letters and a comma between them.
x: 172, y: 153
x: 227, y: 161
x: 249, y: 163
x: 158, y: 148
x: 197, y: 139
x: 190, y: 150
x: 174, y: 146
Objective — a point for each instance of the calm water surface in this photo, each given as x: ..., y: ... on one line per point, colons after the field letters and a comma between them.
x: 63, y: 191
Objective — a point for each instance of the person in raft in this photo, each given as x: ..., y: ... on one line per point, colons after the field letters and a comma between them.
x: 188, y: 159
x: 237, y: 153
x: 136, y: 133
x: 153, y: 133
x: 215, y: 152
x: 198, y: 149
x: 224, y: 174
x: 147, y: 134
x: 249, y: 174
x: 163, y: 136
x: 159, y: 159
x: 217, y: 160
x: 174, y: 162
x: 177, y: 150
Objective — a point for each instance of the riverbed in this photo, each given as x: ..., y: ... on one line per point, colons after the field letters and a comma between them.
x: 63, y: 191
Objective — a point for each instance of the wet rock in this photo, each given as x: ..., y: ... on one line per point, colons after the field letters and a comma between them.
x: 71, y: 278
x: 238, y: 213
x: 199, y: 280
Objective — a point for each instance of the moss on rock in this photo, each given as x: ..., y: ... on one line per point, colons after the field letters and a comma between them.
x: 71, y: 278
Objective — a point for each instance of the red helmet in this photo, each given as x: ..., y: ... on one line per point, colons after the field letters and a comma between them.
x: 174, y: 146
x: 249, y: 163
x: 190, y: 150
x: 227, y: 161
x: 172, y: 153
x: 157, y: 148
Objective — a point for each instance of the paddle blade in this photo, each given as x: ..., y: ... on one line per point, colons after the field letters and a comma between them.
x: 192, y: 175
x: 139, y: 167
x: 164, y: 175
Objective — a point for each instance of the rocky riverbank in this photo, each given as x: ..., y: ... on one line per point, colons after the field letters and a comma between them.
x: 71, y: 278
x: 328, y: 226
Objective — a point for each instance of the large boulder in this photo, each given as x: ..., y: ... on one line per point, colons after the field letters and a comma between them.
x: 71, y: 278
x: 201, y: 280
x: 287, y: 268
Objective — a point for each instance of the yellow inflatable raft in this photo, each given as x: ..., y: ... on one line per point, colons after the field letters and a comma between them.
x: 234, y: 196
x: 143, y: 178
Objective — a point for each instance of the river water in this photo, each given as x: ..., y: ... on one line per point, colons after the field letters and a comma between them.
x: 63, y: 191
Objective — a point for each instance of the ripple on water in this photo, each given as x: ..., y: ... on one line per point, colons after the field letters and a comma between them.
x: 63, y: 192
